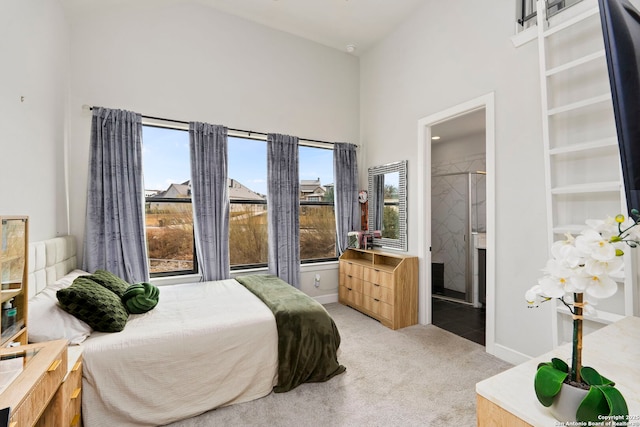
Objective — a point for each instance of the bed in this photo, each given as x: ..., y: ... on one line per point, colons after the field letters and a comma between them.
x: 205, y: 345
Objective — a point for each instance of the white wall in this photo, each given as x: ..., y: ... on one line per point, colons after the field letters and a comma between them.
x: 190, y: 62
x: 444, y: 55
x: 34, y: 52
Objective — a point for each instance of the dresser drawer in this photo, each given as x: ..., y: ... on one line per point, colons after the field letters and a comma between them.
x: 65, y: 408
x: 42, y: 392
x: 378, y: 307
x: 72, y: 396
x: 351, y: 282
x: 351, y: 269
x: 378, y: 277
x: 349, y: 296
x: 378, y: 292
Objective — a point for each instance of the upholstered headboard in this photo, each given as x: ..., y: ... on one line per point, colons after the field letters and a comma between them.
x: 49, y: 260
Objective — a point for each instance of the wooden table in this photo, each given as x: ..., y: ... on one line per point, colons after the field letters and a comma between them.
x: 508, y: 399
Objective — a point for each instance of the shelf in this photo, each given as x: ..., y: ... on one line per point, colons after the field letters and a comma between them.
x: 575, y: 63
x: 584, y: 146
x: 604, y: 317
x: 596, y: 187
x: 580, y: 104
x: 7, y: 294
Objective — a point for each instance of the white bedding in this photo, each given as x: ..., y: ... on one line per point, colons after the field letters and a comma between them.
x: 205, y: 345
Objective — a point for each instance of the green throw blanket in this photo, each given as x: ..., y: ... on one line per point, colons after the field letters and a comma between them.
x: 308, y: 339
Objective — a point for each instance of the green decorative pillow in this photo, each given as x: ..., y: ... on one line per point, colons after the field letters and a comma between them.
x: 109, y: 281
x: 141, y: 297
x: 96, y: 305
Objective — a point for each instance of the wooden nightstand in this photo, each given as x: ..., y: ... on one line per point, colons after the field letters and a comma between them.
x: 42, y: 371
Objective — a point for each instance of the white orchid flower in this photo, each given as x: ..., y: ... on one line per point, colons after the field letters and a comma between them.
x: 593, y: 267
x: 600, y: 286
x: 565, y: 251
x: 592, y: 243
x: 533, y: 296
x: 607, y: 228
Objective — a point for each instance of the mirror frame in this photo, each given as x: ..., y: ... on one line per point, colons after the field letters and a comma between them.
x: 401, y: 168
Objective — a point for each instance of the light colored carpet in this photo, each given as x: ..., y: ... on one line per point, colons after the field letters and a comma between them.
x: 415, y: 376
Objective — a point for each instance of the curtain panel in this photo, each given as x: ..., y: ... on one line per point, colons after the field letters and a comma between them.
x: 209, y: 195
x: 283, y: 203
x: 345, y: 167
x: 114, y: 237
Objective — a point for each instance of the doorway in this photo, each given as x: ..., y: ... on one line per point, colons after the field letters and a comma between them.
x: 458, y: 225
x: 467, y: 169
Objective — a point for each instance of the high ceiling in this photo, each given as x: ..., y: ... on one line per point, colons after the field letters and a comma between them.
x: 334, y: 23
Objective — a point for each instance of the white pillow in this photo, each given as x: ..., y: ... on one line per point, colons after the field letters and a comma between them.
x: 47, y: 321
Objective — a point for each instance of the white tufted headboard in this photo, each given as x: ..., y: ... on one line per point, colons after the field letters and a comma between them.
x: 49, y: 260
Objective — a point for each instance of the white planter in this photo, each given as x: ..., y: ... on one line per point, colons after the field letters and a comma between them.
x: 566, y: 403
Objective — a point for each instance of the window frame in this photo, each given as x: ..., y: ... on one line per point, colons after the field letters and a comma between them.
x: 195, y: 269
x: 156, y: 123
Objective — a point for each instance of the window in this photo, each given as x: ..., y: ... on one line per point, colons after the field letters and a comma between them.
x: 169, y: 215
x: 526, y: 10
x: 248, y: 243
x: 168, y: 209
x: 317, y: 214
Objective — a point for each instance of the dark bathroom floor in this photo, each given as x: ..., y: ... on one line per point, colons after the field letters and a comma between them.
x: 461, y: 319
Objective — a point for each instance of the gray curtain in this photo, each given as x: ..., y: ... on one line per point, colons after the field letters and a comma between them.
x: 283, y: 202
x: 345, y: 169
x: 378, y: 201
x: 209, y: 194
x: 114, y: 237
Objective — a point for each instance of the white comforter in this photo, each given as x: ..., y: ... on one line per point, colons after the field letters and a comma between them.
x: 205, y: 345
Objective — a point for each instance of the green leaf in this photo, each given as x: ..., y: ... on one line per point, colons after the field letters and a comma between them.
x: 602, y: 400
x: 592, y: 377
x: 547, y: 383
x: 560, y: 364
x: 593, y: 405
x: 617, y: 404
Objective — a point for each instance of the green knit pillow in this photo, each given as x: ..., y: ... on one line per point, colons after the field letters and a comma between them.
x: 109, y: 281
x: 140, y: 298
x: 94, y: 304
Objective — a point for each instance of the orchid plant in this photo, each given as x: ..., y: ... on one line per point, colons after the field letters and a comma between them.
x: 582, y: 271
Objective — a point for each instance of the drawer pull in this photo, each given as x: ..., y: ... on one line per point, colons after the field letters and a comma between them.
x: 375, y: 284
x: 75, y: 420
x: 376, y: 300
x: 77, y: 365
x: 76, y: 393
x: 350, y: 289
x: 54, y: 365
x: 349, y: 276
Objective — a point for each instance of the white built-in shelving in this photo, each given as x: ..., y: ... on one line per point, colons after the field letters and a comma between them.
x: 582, y: 161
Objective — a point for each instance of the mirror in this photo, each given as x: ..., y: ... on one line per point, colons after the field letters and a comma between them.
x: 388, y: 204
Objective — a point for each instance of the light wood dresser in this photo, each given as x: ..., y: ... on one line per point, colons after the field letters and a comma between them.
x: 47, y: 390
x: 380, y: 284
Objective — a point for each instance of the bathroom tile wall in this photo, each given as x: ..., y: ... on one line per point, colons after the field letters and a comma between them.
x: 449, y: 215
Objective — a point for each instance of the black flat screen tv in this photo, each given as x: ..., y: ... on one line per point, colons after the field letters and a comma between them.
x: 621, y: 30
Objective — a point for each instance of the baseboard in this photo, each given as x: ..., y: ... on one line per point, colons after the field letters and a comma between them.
x: 509, y: 355
x: 326, y: 299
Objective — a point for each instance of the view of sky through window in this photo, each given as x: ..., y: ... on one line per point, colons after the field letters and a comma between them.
x: 165, y: 158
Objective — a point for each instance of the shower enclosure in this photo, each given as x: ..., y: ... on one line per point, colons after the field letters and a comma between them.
x: 458, y: 227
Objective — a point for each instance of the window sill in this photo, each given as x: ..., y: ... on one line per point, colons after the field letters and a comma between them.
x: 525, y: 36
x: 191, y: 278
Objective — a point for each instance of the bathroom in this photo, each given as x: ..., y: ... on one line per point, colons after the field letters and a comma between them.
x: 458, y: 225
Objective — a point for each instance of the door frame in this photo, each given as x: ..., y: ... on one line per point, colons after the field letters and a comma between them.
x: 424, y: 207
